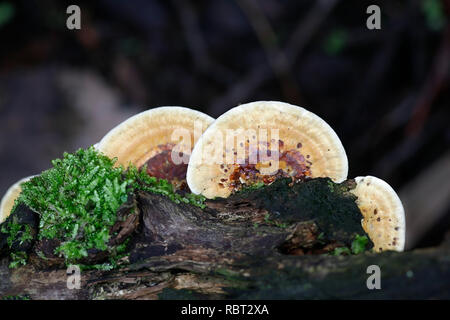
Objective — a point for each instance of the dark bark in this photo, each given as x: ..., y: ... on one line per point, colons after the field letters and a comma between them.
x: 259, y: 244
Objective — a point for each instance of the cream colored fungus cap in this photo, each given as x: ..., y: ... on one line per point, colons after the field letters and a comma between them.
x: 296, y: 127
x: 383, y: 213
x: 134, y: 140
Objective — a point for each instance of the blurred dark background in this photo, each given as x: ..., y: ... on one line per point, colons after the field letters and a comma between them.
x: 385, y: 92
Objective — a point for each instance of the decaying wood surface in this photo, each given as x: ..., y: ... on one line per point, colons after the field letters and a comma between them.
x: 262, y: 244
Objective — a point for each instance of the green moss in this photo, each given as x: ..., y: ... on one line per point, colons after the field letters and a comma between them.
x: 252, y: 187
x: 227, y: 273
x: 275, y: 223
x: 18, y: 233
x: 114, y: 262
x: 142, y: 181
x: 359, y: 244
x: 26, y: 234
x: 341, y: 251
x: 17, y: 297
x: 78, y: 199
x: 18, y: 259
x: 12, y: 229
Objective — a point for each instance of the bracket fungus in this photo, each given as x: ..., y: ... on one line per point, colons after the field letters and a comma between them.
x: 273, y: 139
x: 94, y: 204
x: 382, y: 209
x: 149, y: 138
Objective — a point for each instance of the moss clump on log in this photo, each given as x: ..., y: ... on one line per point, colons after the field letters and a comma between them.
x: 217, y: 244
x: 79, y: 204
x: 18, y: 234
x: 182, y: 251
x: 310, y: 217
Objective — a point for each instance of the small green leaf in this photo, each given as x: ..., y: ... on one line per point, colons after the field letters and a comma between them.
x: 359, y: 244
x: 341, y: 251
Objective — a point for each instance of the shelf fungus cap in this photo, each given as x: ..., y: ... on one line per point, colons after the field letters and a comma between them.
x: 383, y: 213
x: 162, y: 138
x: 7, y: 202
x: 260, y: 141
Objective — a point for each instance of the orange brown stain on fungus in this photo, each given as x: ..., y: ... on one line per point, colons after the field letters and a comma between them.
x: 291, y: 164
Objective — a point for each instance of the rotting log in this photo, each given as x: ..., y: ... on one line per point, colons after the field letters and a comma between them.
x: 269, y: 243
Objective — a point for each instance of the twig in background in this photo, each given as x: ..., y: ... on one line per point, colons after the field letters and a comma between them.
x: 307, y: 28
x: 407, y: 148
x: 436, y: 81
x: 262, y: 73
x: 196, y: 44
x: 275, y: 56
x: 377, y: 70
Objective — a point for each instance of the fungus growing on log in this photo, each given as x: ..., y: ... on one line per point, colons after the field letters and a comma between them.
x: 132, y: 215
x: 384, y: 216
x: 152, y: 139
x: 261, y: 141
